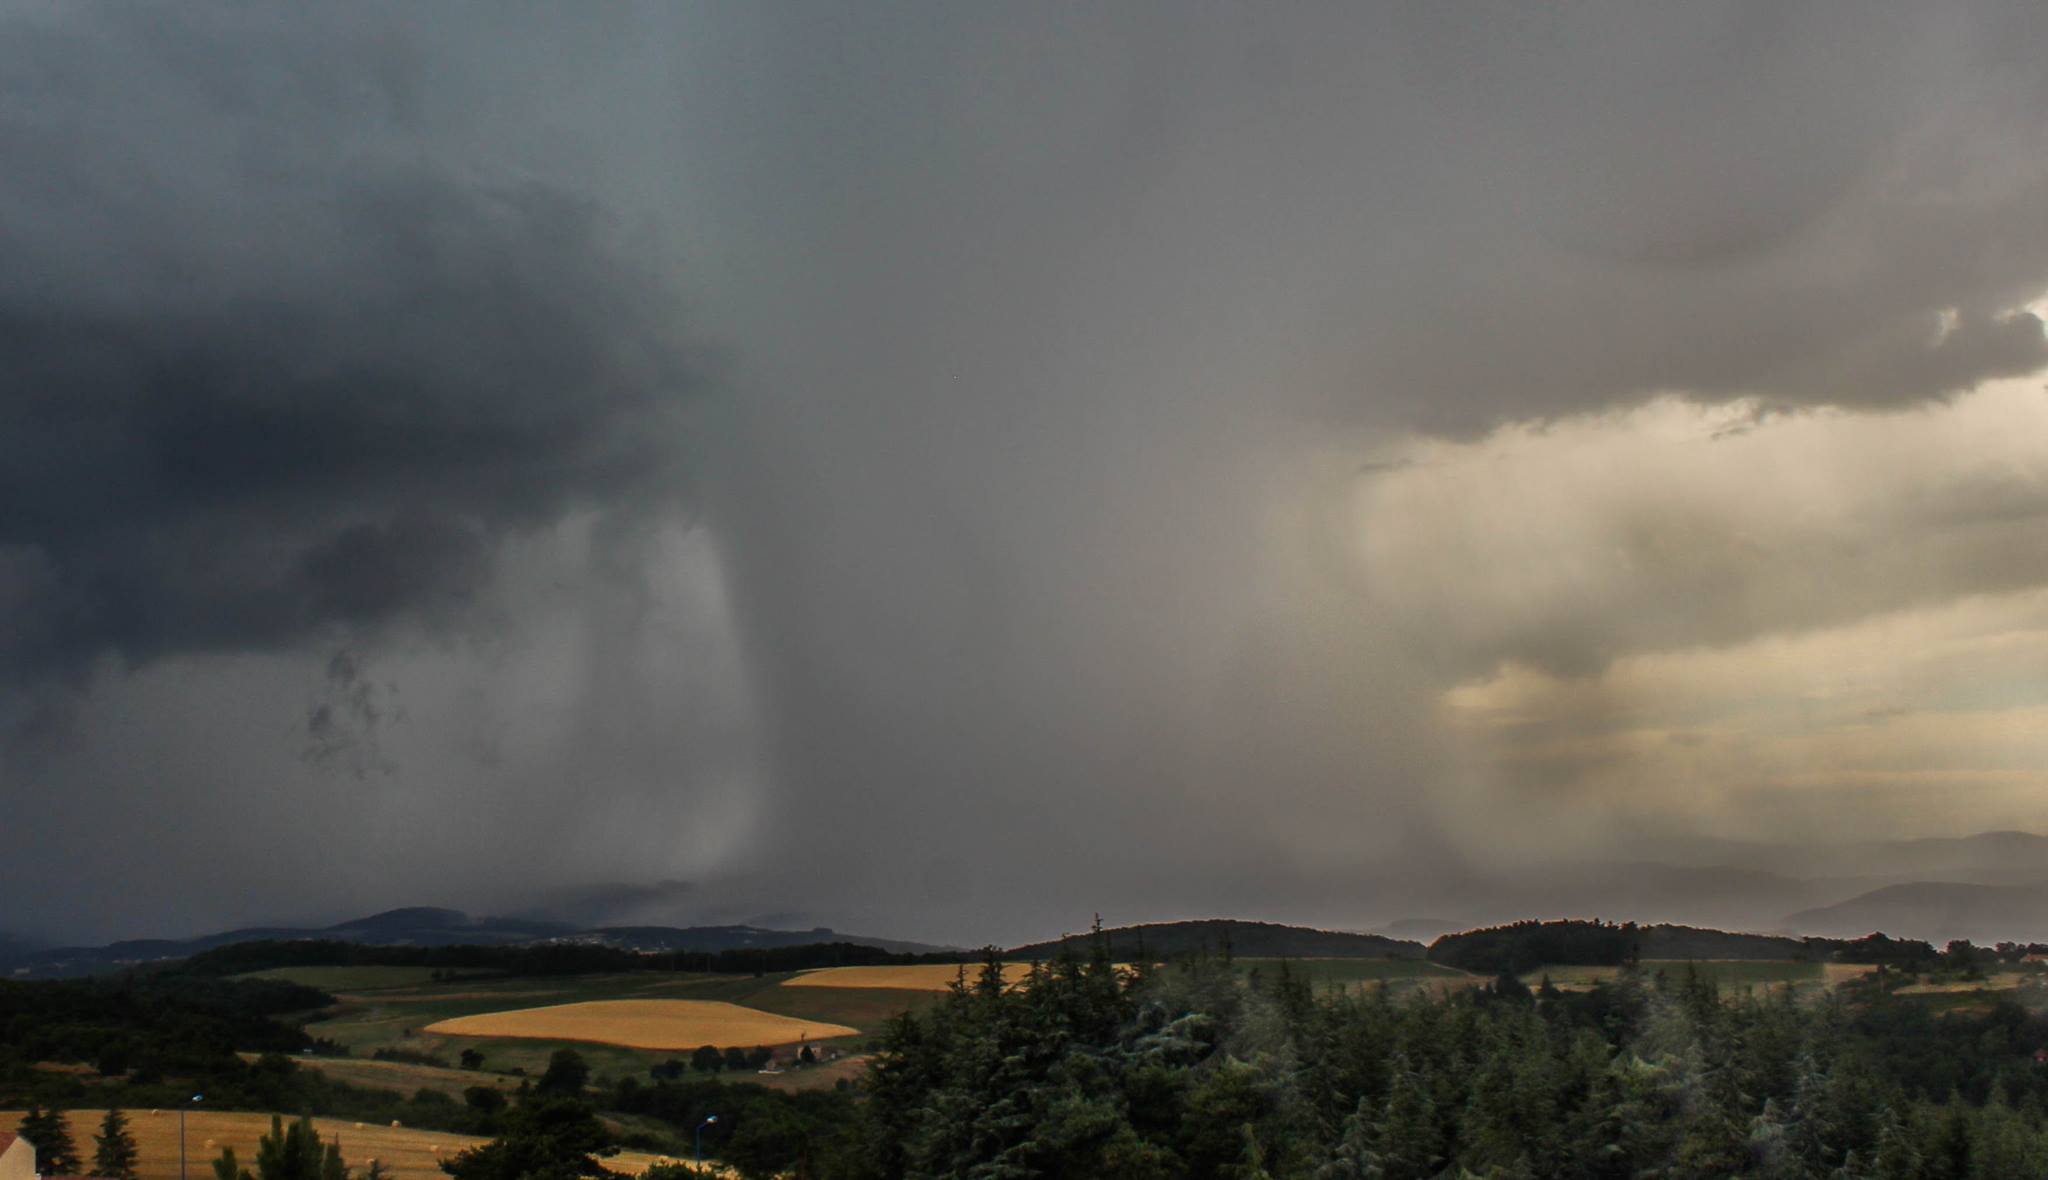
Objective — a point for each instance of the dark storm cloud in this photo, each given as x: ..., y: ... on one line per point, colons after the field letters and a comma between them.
x: 267, y: 361
x: 1022, y: 579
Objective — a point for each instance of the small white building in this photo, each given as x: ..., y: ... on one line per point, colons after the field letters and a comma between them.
x: 17, y: 1157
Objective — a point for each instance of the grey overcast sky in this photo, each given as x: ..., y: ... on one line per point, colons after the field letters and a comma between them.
x: 944, y: 470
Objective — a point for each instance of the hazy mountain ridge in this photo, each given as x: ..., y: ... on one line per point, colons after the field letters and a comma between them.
x: 420, y: 926
x: 1784, y: 889
x: 1985, y: 858
x: 1988, y: 887
x: 1937, y: 911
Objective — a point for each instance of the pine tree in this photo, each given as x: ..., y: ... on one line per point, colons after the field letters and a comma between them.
x: 1949, y: 1150
x: 1352, y: 1158
x: 114, y: 1148
x: 1897, y: 1155
x: 227, y: 1167
x: 1252, y: 1164
x: 1408, y: 1144
x: 296, y: 1153
x: 46, y: 1130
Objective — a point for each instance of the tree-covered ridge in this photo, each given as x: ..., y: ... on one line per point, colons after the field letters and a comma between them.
x: 1229, y: 936
x: 157, y: 1024
x: 1527, y: 945
x: 1188, y: 1072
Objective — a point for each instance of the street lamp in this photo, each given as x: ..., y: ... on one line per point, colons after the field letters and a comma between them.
x: 181, y: 1134
x: 700, y: 1139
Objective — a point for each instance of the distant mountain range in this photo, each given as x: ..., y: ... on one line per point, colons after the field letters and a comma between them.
x: 1215, y: 935
x: 1937, y: 912
x: 419, y: 926
x: 1988, y: 888
x: 1988, y: 858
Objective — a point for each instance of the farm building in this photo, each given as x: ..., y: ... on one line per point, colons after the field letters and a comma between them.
x: 17, y: 1157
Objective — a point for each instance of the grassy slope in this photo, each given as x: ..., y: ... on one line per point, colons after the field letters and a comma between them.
x: 403, y: 1076
x: 1726, y: 973
x: 354, y: 979
x: 1330, y: 973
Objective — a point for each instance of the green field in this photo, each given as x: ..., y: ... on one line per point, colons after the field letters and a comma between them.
x: 352, y: 979
x: 1727, y: 974
x: 1325, y: 974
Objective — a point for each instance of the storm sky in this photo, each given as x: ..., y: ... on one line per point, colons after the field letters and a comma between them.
x: 947, y: 470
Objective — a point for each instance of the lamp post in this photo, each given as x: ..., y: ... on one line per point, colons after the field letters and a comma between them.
x: 700, y: 1138
x: 181, y: 1134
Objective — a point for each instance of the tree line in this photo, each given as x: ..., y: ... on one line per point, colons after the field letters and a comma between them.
x: 1526, y: 945
x: 113, y: 1153
x: 1191, y: 1071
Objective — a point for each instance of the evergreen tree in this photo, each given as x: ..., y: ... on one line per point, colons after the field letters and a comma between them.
x: 1353, y: 1157
x: 1949, y: 1150
x: 1897, y: 1155
x: 50, y: 1134
x: 114, y: 1148
x: 1251, y: 1165
x: 1408, y: 1141
x: 296, y: 1153
x: 567, y: 1073
x: 227, y: 1167
x: 545, y: 1138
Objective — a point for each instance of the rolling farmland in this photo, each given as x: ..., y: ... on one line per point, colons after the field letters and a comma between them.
x: 404, y: 1018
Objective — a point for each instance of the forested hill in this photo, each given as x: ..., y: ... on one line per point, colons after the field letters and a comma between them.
x: 1217, y: 935
x: 1524, y: 946
x: 430, y: 927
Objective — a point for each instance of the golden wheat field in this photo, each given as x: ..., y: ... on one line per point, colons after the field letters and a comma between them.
x: 644, y: 1024
x: 408, y: 1154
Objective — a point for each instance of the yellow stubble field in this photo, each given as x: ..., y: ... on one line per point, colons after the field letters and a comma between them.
x: 406, y: 1153
x: 644, y: 1024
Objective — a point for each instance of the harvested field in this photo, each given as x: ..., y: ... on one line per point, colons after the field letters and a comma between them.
x: 917, y: 977
x: 406, y: 1153
x: 644, y: 1024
